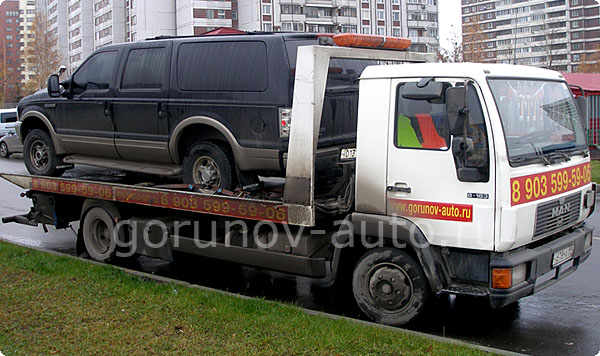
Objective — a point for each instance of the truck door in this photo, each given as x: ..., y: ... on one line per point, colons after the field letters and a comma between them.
x: 448, y: 194
x: 140, y: 106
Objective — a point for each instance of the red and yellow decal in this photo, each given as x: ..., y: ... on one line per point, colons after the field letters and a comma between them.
x: 431, y: 210
x: 174, y: 200
x: 539, y: 186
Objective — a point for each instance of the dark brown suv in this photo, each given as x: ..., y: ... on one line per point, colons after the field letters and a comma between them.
x: 216, y: 109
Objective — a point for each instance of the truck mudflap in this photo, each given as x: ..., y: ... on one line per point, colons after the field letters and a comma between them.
x: 545, y: 265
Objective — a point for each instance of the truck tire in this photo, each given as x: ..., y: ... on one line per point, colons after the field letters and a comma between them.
x: 209, y: 164
x: 98, y: 235
x: 4, y: 153
x: 39, y: 155
x: 389, y: 286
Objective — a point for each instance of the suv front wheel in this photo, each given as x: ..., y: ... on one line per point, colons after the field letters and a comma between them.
x: 209, y: 164
x: 39, y: 155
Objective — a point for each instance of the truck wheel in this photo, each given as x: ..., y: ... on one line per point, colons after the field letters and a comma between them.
x: 39, y: 155
x: 389, y: 286
x: 209, y: 164
x: 4, y: 150
x: 98, y: 235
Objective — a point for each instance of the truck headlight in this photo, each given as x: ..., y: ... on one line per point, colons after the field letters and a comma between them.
x: 505, y: 278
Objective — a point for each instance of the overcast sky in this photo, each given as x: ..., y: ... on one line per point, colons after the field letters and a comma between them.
x: 449, y: 16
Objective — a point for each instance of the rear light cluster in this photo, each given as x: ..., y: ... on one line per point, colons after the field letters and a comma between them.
x: 285, y: 121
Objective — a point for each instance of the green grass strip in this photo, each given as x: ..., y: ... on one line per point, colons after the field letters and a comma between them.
x: 58, y: 305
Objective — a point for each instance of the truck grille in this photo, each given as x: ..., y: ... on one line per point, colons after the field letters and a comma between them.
x: 557, y: 214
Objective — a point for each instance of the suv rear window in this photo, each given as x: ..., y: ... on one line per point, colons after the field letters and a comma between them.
x: 222, y: 66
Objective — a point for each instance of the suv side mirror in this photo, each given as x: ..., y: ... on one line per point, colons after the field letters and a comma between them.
x: 582, y: 107
x: 53, y: 86
x: 456, y: 109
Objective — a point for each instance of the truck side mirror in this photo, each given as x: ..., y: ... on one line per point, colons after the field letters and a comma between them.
x: 456, y: 110
x: 53, y: 86
x: 582, y: 107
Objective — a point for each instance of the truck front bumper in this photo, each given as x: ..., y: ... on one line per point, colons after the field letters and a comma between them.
x: 540, y: 272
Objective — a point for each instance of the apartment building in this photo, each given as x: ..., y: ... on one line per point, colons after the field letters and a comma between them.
x: 196, y: 17
x: 556, y: 34
x: 148, y: 19
x: 56, y: 17
x: 26, y: 30
x: 416, y: 19
x: 9, y: 50
x: 109, y: 22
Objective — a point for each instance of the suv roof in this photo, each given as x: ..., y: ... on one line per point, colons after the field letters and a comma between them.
x: 285, y: 35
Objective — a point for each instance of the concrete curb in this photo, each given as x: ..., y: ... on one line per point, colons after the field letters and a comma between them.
x: 161, y: 279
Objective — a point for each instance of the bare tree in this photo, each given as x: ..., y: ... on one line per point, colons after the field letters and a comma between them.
x: 41, y: 57
x: 454, y: 54
x: 473, y: 41
x: 590, y: 61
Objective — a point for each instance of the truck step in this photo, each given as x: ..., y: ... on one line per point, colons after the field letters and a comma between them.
x: 466, y: 290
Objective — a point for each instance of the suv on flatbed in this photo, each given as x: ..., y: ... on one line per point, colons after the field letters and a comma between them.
x: 216, y: 109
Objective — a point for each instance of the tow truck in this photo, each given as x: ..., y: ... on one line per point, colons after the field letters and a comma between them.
x: 466, y: 179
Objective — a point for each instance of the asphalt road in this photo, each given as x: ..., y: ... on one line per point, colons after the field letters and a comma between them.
x: 563, y: 319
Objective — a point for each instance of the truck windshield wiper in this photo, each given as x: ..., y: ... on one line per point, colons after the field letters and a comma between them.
x: 574, y: 152
x: 523, y: 161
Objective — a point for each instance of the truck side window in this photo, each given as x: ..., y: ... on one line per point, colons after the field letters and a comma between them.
x: 145, y: 69
x: 96, y: 72
x: 476, y: 131
x: 421, y: 123
x: 9, y: 117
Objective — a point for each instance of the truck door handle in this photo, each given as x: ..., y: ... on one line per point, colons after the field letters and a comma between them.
x: 399, y: 189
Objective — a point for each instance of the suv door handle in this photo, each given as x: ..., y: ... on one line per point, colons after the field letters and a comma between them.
x: 107, y: 108
x: 399, y: 189
x: 162, y: 110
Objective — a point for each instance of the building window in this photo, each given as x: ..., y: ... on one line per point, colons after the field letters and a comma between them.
x: 381, y: 31
x: 267, y: 27
x: 396, y: 32
x: 366, y: 30
x: 380, y: 15
x: 366, y: 14
x: 221, y: 14
x: 396, y: 15
x: 266, y: 9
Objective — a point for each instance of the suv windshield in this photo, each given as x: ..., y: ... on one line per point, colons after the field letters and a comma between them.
x: 540, y: 120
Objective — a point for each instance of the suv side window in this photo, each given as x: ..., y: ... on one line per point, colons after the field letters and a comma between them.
x: 144, y: 69
x: 222, y: 66
x: 96, y: 72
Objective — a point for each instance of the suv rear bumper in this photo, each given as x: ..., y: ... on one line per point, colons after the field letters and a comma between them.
x: 539, y: 264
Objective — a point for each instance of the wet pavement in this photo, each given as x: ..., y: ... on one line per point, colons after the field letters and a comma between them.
x: 563, y: 319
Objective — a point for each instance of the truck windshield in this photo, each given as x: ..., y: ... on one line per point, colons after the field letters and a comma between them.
x: 540, y: 119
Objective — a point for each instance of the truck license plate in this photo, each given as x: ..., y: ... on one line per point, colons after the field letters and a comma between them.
x: 348, y: 153
x: 562, y: 256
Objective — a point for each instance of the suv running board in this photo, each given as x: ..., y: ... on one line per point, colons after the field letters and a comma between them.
x: 142, y: 167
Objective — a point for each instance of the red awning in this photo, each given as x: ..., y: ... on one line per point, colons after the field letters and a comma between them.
x: 590, y: 82
x: 223, y: 31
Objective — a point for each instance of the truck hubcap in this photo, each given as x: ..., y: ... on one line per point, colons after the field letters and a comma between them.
x: 101, y: 236
x: 206, y: 171
x: 3, y: 150
x: 390, y: 287
x: 39, y: 155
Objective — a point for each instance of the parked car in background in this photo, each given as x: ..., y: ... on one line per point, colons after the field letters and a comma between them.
x: 8, y: 120
x: 9, y: 144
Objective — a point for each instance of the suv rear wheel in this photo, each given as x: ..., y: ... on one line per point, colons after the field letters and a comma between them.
x: 209, y: 164
x: 39, y: 155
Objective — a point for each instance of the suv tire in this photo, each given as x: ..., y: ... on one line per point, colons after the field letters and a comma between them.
x: 209, y: 164
x: 39, y: 155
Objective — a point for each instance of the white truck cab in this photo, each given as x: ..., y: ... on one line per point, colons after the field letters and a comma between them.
x: 488, y: 162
